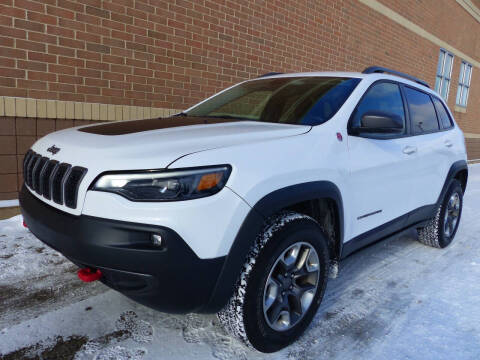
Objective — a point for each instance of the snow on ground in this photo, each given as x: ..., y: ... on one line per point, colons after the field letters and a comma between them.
x: 396, y: 299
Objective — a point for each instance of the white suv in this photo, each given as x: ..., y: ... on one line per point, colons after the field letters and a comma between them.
x: 241, y: 204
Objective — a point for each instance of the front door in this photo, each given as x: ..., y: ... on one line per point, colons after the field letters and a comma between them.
x: 380, y: 180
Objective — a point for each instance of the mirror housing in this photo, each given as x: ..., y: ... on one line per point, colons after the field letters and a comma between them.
x: 380, y: 123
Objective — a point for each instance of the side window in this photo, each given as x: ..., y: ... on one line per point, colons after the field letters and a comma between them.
x: 442, y: 113
x: 383, y: 97
x: 422, y: 112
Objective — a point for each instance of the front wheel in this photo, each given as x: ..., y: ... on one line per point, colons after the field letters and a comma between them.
x: 281, y: 285
x: 441, y: 230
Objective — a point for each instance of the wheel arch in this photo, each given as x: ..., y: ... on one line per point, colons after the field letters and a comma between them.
x: 284, y: 198
x: 459, y: 171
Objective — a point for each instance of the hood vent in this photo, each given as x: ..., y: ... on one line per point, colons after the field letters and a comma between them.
x: 53, y: 180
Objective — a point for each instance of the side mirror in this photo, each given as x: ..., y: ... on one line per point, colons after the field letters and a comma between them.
x: 380, y: 122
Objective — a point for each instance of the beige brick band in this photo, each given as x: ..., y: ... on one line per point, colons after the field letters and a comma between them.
x: 56, y: 109
x: 399, y: 19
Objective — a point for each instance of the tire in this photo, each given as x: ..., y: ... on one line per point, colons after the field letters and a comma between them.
x: 440, y: 232
x: 245, y: 316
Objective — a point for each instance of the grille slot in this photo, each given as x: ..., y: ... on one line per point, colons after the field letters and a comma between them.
x: 72, y: 184
x: 55, y: 181
x: 31, y: 165
x: 37, y: 170
x: 58, y: 180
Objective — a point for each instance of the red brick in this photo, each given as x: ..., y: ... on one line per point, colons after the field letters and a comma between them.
x: 71, y: 24
x: 43, y: 76
x: 14, y: 73
x: 30, y: 45
x: 42, y: 18
x: 12, y: 12
x: 98, y: 48
x: 7, y: 41
x: 97, y: 12
x: 30, y: 5
x: 32, y: 65
x: 32, y: 84
x: 29, y: 25
x: 71, y: 5
x: 16, y: 33
x: 35, y: 56
x: 43, y: 38
x: 63, y: 13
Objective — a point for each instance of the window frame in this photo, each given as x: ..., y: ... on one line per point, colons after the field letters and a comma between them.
x: 462, y: 85
x: 441, y: 128
x: 407, y: 131
x: 434, y: 110
x: 442, y: 75
x: 452, y: 123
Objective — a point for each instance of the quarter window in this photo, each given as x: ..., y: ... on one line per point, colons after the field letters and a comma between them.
x: 442, y: 113
x: 464, y: 84
x: 383, y: 97
x: 444, y: 73
x: 422, y: 112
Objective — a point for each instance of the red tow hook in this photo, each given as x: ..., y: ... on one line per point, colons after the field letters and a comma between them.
x: 89, y: 275
x: 25, y: 224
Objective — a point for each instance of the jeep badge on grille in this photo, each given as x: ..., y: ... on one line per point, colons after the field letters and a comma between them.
x: 53, y: 149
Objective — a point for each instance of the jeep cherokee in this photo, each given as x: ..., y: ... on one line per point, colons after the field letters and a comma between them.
x: 243, y: 203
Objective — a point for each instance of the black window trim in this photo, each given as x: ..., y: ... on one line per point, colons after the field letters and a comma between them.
x: 408, y: 129
x: 440, y: 127
x: 446, y: 111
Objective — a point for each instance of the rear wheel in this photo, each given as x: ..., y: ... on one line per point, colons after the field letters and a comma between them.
x: 441, y: 230
x: 281, y: 285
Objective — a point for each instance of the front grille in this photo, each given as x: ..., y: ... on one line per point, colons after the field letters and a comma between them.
x: 53, y: 180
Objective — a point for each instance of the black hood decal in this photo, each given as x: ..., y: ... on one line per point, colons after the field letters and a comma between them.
x: 130, y: 127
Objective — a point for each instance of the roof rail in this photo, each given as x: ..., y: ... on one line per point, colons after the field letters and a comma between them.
x: 379, y: 69
x: 269, y: 74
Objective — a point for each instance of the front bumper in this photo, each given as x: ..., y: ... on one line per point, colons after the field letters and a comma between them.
x: 171, y: 278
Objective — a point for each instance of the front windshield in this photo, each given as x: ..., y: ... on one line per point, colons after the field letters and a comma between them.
x: 303, y: 100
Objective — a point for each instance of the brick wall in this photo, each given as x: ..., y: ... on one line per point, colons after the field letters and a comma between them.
x: 171, y: 54
x: 17, y: 135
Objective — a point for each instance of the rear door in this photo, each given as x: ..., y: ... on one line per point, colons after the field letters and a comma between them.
x: 380, y: 165
x: 433, y: 143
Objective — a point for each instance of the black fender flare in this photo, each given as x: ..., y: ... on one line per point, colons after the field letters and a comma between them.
x: 456, y: 167
x: 252, y: 225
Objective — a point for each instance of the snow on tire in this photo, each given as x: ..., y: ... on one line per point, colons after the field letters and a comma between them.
x: 434, y: 233
x: 233, y: 315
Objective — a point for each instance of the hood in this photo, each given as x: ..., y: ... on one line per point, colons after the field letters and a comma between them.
x: 154, y: 148
x: 148, y: 149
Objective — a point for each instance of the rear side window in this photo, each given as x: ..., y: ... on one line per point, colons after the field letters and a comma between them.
x: 382, y: 97
x: 422, y: 112
x: 442, y: 113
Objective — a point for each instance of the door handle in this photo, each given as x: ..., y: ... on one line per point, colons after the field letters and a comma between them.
x: 448, y: 143
x: 409, y: 150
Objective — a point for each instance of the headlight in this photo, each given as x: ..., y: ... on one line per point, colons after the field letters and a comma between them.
x: 167, y: 185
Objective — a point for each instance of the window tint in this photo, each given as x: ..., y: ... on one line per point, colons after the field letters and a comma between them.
x: 424, y: 118
x: 306, y: 100
x: 442, y: 113
x: 383, y: 97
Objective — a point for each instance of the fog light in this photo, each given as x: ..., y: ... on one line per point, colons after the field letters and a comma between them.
x: 157, y: 240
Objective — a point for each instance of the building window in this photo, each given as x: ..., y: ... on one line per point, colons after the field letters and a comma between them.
x: 464, y: 84
x: 444, y: 72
